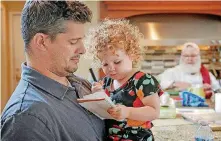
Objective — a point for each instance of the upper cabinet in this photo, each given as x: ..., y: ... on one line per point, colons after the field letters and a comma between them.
x: 124, y: 9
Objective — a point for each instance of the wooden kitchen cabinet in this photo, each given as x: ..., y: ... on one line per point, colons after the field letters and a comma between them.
x: 124, y: 9
x: 12, y: 49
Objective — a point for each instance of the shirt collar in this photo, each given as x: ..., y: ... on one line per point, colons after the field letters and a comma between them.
x: 45, y: 83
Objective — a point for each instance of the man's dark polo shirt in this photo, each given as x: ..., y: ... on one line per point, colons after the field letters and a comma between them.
x: 41, y: 109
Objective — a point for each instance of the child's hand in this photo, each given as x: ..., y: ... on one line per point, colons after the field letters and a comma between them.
x: 97, y: 86
x: 119, y: 112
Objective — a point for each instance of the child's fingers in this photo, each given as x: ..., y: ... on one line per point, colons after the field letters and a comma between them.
x: 96, y: 90
x: 114, y: 110
x: 116, y: 115
x: 97, y: 87
x: 101, y: 82
x: 96, y: 83
x: 111, y: 110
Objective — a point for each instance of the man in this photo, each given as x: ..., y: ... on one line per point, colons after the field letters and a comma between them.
x: 190, y: 71
x: 44, y: 105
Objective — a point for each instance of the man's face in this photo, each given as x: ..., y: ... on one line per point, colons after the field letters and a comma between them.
x: 190, y: 60
x: 190, y: 55
x: 65, y: 50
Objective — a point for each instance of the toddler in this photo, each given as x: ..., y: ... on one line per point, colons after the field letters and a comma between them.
x: 115, y: 43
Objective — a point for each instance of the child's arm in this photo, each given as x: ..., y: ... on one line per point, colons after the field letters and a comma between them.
x: 149, y: 112
x: 147, y: 93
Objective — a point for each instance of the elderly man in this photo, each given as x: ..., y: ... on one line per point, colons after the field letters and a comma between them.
x: 44, y: 105
x: 190, y: 71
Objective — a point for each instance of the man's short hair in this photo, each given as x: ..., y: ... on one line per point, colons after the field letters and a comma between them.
x: 48, y: 17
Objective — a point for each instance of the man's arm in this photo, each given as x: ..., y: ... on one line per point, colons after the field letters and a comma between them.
x: 25, y: 127
x: 214, y: 83
x: 211, y: 88
x: 181, y: 85
x: 166, y: 79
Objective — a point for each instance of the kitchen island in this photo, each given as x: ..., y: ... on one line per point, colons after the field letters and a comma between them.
x: 179, y: 129
x: 182, y: 132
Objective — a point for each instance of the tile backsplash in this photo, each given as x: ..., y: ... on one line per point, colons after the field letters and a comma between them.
x: 157, y: 59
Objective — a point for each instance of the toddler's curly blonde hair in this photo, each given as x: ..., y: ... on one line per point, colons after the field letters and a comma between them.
x: 113, y: 35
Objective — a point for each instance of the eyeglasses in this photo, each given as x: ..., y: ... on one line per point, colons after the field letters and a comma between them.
x: 190, y: 56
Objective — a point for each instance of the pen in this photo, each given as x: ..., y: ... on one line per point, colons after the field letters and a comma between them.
x: 92, y: 74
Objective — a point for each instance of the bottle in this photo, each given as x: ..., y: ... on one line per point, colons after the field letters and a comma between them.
x: 204, y: 132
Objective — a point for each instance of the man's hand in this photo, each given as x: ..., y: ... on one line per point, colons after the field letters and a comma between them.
x: 119, y: 112
x: 181, y: 85
x: 208, y: 90
x: 97, y: 86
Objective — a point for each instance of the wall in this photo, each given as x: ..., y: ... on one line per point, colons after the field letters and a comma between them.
x: 85, y: 64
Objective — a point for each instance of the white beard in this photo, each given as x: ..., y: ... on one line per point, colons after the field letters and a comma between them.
x: 190, y: 68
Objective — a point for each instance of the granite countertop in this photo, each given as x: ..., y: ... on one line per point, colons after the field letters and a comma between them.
x: 178, y: 129
x: 184, y: 132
